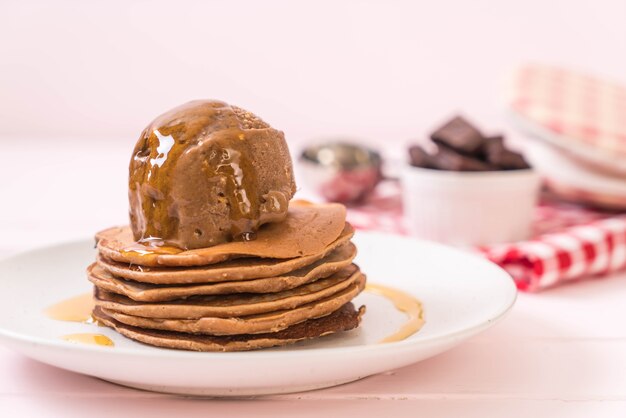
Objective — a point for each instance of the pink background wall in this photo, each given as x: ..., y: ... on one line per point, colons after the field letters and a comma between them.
x: 381, y: 70
x: 95, y: 73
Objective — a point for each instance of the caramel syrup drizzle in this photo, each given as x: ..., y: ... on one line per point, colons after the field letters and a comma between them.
x: 75, y: 309
x: 90, y: 339
x: 404, y: 303
x: 78, y: 309
x: 165, y: 141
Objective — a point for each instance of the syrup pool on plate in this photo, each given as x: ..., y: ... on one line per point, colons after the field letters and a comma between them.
x: 404, y: 303
x: 78, y: 309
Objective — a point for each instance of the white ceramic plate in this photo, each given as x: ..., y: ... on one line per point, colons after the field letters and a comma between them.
x: 561, y: 169
x: 461, y: 293
x: 604, y: 160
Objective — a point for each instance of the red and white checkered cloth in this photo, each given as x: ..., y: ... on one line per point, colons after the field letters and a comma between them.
x: 584, y: 112
x: 569, y: 243
x: 592, y: 249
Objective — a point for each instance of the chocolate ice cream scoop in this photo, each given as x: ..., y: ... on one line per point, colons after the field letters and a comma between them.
x: 205, y: 173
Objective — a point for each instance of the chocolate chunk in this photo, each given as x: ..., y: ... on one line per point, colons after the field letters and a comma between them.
x: 493, y: 142
x: 461, y: 147
x: 498, y: 155
x: 448, y: 159
x: 459, y: 135
x: 420, y: 158
x: 510, y: 160
x: 492, y: 148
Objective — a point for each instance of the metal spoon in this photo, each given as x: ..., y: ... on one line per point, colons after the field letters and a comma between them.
x: 341, y: 171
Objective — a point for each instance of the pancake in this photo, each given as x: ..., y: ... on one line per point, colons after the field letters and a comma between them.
x: 142, y: 292
x: 307, y: 230
x: 227, y: 306
x: 343, y: 319
x: 233, y: 270
x: 253, y: 324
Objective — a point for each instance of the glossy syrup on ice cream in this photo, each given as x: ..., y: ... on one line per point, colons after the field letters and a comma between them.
x: 206, y: 173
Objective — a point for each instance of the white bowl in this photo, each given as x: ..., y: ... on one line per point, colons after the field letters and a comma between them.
x: 469, y: 208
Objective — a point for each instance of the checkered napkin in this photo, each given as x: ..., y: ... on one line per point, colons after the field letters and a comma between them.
x: 569, y: 242
x: 583, y: 112
x: 586, y: 248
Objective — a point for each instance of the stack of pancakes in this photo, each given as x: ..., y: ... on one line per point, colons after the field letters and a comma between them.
x: 295, y: 281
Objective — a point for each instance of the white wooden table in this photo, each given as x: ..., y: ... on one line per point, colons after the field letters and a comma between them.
x: 559, y: 353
